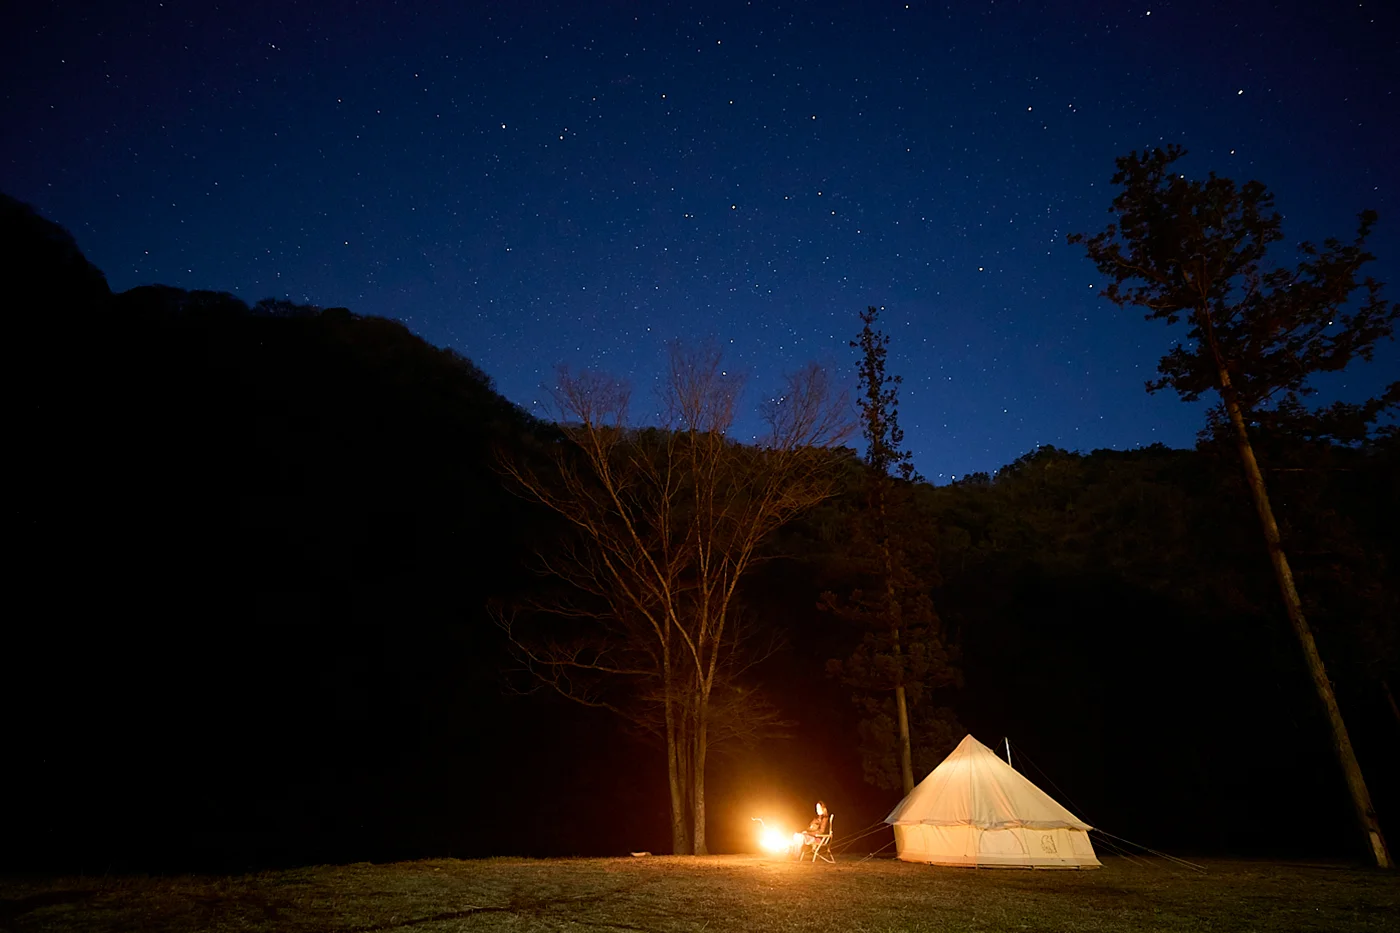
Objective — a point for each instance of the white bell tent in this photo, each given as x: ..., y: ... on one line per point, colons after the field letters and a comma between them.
x: 976, y: 810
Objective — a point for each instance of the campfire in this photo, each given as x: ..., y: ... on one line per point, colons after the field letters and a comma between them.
x: 771, y: 838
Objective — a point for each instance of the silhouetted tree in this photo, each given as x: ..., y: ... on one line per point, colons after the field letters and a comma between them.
x: 665, y: 523
x: 902, y: 656
x: 1257, y: 335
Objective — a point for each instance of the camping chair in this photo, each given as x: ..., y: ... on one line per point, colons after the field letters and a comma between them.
x: 821, y: 848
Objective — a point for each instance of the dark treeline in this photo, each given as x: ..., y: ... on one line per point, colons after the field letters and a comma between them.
x: 254, y: 548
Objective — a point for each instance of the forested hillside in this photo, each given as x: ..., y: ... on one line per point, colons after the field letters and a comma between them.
x: 254, y: 546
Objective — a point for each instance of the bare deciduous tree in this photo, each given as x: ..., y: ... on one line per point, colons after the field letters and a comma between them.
x: 664, y: 523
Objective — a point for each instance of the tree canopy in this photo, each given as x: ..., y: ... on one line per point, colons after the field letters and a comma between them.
x: 1258, y: 335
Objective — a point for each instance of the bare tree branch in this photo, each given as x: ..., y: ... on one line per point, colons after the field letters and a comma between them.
x: 662, y: 524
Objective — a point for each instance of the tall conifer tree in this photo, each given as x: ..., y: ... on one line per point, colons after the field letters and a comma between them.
x: 902, y: 656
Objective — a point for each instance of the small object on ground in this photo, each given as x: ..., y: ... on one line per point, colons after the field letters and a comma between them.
x: 640, y: 854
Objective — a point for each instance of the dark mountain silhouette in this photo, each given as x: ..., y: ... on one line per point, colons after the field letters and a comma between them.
x: 251, y: 550
x: 253, y: 547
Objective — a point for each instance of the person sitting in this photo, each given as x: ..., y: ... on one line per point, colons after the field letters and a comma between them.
x: 820, y: 826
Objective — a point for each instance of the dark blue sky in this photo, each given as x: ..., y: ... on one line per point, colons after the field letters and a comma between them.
x: 534, y: 183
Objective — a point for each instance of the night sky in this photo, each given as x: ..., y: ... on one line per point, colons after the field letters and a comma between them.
x: 533, y: 184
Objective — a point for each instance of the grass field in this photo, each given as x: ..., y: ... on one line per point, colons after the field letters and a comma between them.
x: 720, y: 893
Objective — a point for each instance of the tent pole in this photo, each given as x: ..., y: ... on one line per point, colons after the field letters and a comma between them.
x: 1007, y: 740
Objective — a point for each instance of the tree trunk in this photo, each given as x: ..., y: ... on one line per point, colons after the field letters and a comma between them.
x: 901, y: 704
x: 698, y: 757
x: 1341, y: 741
x: 675, y: 773
x: 680, y: 837
x: 1390, y: 698
x: 906, y: 754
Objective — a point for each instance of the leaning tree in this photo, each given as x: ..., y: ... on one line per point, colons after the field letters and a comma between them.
x: 1196, y: 253
x: 661, y: 525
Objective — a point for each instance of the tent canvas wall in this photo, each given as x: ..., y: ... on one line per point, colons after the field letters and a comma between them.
x: 976, y: 810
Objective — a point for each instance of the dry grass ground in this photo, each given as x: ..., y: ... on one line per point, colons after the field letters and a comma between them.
x: 714, y: 894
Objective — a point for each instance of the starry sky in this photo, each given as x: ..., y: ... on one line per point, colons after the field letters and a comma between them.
x: 535, y: 183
